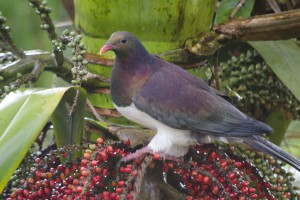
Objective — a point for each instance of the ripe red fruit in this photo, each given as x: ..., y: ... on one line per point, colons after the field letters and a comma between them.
x: 121, y: 183
x: 206, y: 179
x: 37, y: 160
x: 134, y: 173
x: 238, y: 164
x: 79, y: 189
x: 84, y: 173
x: 104, y: 156
x: 84, y: 162
x: 213, y: 155
x: 231, y: 175
x: 200, y: 177
x: 109, y: 148
x: 86, y: 155
x: 129, y: 196
x: 94, y: 163
x: 127, y: 170
x: 119, y: 190
x: 223, y: 163
x: 215, y: 190
x: 99, y: 140
x: 26, y: 193
x: 251, y: 190
x: 122, y: 169
x: 245, y: 183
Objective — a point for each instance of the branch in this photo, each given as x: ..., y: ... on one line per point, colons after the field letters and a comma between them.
x: 279, y: 26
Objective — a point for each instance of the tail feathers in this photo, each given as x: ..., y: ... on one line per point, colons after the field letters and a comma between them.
x: 259, y: 143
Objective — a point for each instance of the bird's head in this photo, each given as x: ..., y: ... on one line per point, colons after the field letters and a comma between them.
x: 123, y: 43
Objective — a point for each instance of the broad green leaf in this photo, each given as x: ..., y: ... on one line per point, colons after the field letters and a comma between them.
x: 68, y: 126
x: 101, y: 100
x: 227, y: 6
x: 291, y: 142
x: 49, y: 80
x: 284, y: 58
x: 23, y: 114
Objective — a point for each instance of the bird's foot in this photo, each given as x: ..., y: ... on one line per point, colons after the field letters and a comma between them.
x: 141, y: 152
x: 137, y: 154
x: 173, y: 158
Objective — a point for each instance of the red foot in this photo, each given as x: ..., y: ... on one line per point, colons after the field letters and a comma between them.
x: 141, y: 152
x: 138, y: 154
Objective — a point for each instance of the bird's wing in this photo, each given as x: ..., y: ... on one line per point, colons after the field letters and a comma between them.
x: 180, y: 100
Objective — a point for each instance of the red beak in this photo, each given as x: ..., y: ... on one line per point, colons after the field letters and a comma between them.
x: 105, y: 48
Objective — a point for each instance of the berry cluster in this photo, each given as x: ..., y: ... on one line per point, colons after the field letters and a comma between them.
x: 261, y: 91
x: 88, y: 177
x: 92, y: 171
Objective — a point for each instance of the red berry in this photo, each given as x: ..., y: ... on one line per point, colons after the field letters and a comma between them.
x: 213, y: 155
x: 238, y: 164
x: 104, y: 156
x: 251, y: 190
x: 200, y: 177
x: 99, y: 140
x: 119, y: 190
x: 206, y: 179
x: 267, y: 184
x: 84, y: 162
x: 61, y: 168
x: 94, y: 163
x: 109, y: 149
x: 26, y: 193
x: 84, y: 173
x: 127, y: 170
x: 232, y: 195
x: 121, y: 183
x: 134, y: 173
x: 231, y: 175
x: 37, y: 160
x: 244, y: 190
x: 129, y: 196
x: 215, y: 190
x: 38, y: 173
x: 223, y: 163
x: 79, y: 189
x: 245, y: 183
x: 86, y: 155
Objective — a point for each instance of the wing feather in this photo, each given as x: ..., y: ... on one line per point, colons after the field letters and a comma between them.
x: 182, y: 101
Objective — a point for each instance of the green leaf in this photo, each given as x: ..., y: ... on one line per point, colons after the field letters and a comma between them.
x: 68, y: 126
x: 49, y: 80
x: 292, y: 139
x: 101, y: 100
x: 227, y: 6
x: 23, y: 114
x: 284, y: 58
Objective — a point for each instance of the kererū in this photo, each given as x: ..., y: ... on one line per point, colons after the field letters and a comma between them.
x: 183, y: 109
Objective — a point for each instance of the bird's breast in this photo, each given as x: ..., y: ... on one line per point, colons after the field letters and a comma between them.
x: 168, y: 140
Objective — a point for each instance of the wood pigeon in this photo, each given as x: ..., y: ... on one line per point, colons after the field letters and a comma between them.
x: 183, y: 109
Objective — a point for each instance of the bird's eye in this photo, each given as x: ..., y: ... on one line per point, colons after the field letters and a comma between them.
x: 123, y: 40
